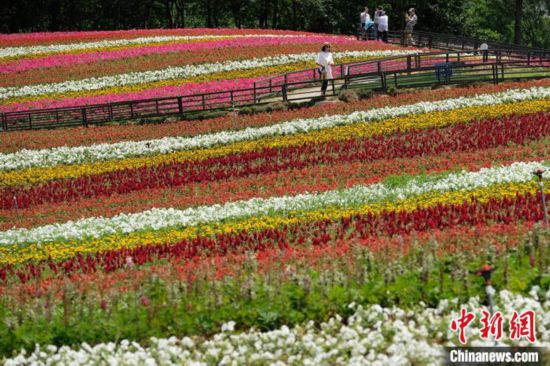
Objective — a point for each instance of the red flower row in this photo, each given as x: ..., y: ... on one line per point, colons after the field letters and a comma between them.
x: 290, y: 182
x: 523, y: 207
x: 279, y: 262
x: 463, y: 137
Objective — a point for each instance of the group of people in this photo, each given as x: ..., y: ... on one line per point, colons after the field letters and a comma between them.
x: 379, y: 25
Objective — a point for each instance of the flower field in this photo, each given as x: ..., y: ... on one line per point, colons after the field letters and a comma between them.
x: 343, y: 233
x: 46, y: 72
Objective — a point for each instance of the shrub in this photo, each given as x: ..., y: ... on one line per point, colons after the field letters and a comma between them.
x: 471, y: 85
x: 316, y: 100
x: 247, y: 110
x: 348, y: 96
x: 299, y: 105
x: 364, y: 93
x: 277, y: 106
x: 204, y: 115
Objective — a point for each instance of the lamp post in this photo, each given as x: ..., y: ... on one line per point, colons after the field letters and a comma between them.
x: 485, y: 271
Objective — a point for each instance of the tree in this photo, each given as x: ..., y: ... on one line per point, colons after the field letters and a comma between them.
x: 517, y: 21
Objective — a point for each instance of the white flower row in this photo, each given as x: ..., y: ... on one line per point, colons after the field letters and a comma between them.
x: 371, y: 336
x: 99, y: 152
x: 68, y: 47
x: 176, y: 72
x: 160, y: 218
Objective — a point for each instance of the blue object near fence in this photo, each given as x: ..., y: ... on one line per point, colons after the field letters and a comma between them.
x: 443, y: 70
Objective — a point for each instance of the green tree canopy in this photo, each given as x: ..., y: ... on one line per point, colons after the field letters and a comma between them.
x: 491, y: 19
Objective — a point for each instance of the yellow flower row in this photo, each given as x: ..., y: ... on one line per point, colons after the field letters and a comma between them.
x: 228, y: 75
x: 361, y: 130
x: 67, y: 249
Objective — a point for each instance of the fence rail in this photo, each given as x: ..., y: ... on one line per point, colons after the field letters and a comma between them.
x: 430, y: 40
x: 398, y: 71
x: 447, y: 41
x: 456, y: 43
x: 451, y: 73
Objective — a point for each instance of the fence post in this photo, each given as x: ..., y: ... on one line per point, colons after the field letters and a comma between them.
x: 495, y: 75
x: 203, y: 102
x: 270, y: 90
x: 84, y: 117
x: 4, y: 121
x: 254, y: 92
x: 383, y: 81
x: 528, y: 58
x: 341, y: 70
x: 180, y: 105
x: 409, y: 63
x: 379, y: 66
x: 333, y: 87
x: 286, y: 78
x: 283, y: 92
x: 110, y: 111
x: 131, y: 111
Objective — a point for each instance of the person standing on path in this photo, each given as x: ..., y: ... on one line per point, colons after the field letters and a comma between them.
x: 410, y: 19
x: 365, y: 18
x: 365, y: 21
x: 383, y: 25
x: 325, y: 62
x: 377, y: 11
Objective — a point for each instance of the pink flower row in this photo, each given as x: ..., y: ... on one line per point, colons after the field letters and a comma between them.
x: 77, y: 59
x: 167, y: 91
x: 27, y: 39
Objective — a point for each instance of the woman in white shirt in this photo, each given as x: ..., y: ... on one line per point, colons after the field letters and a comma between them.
x: 325, y: 62
x: 383, y: 25
x: 365, y: 18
